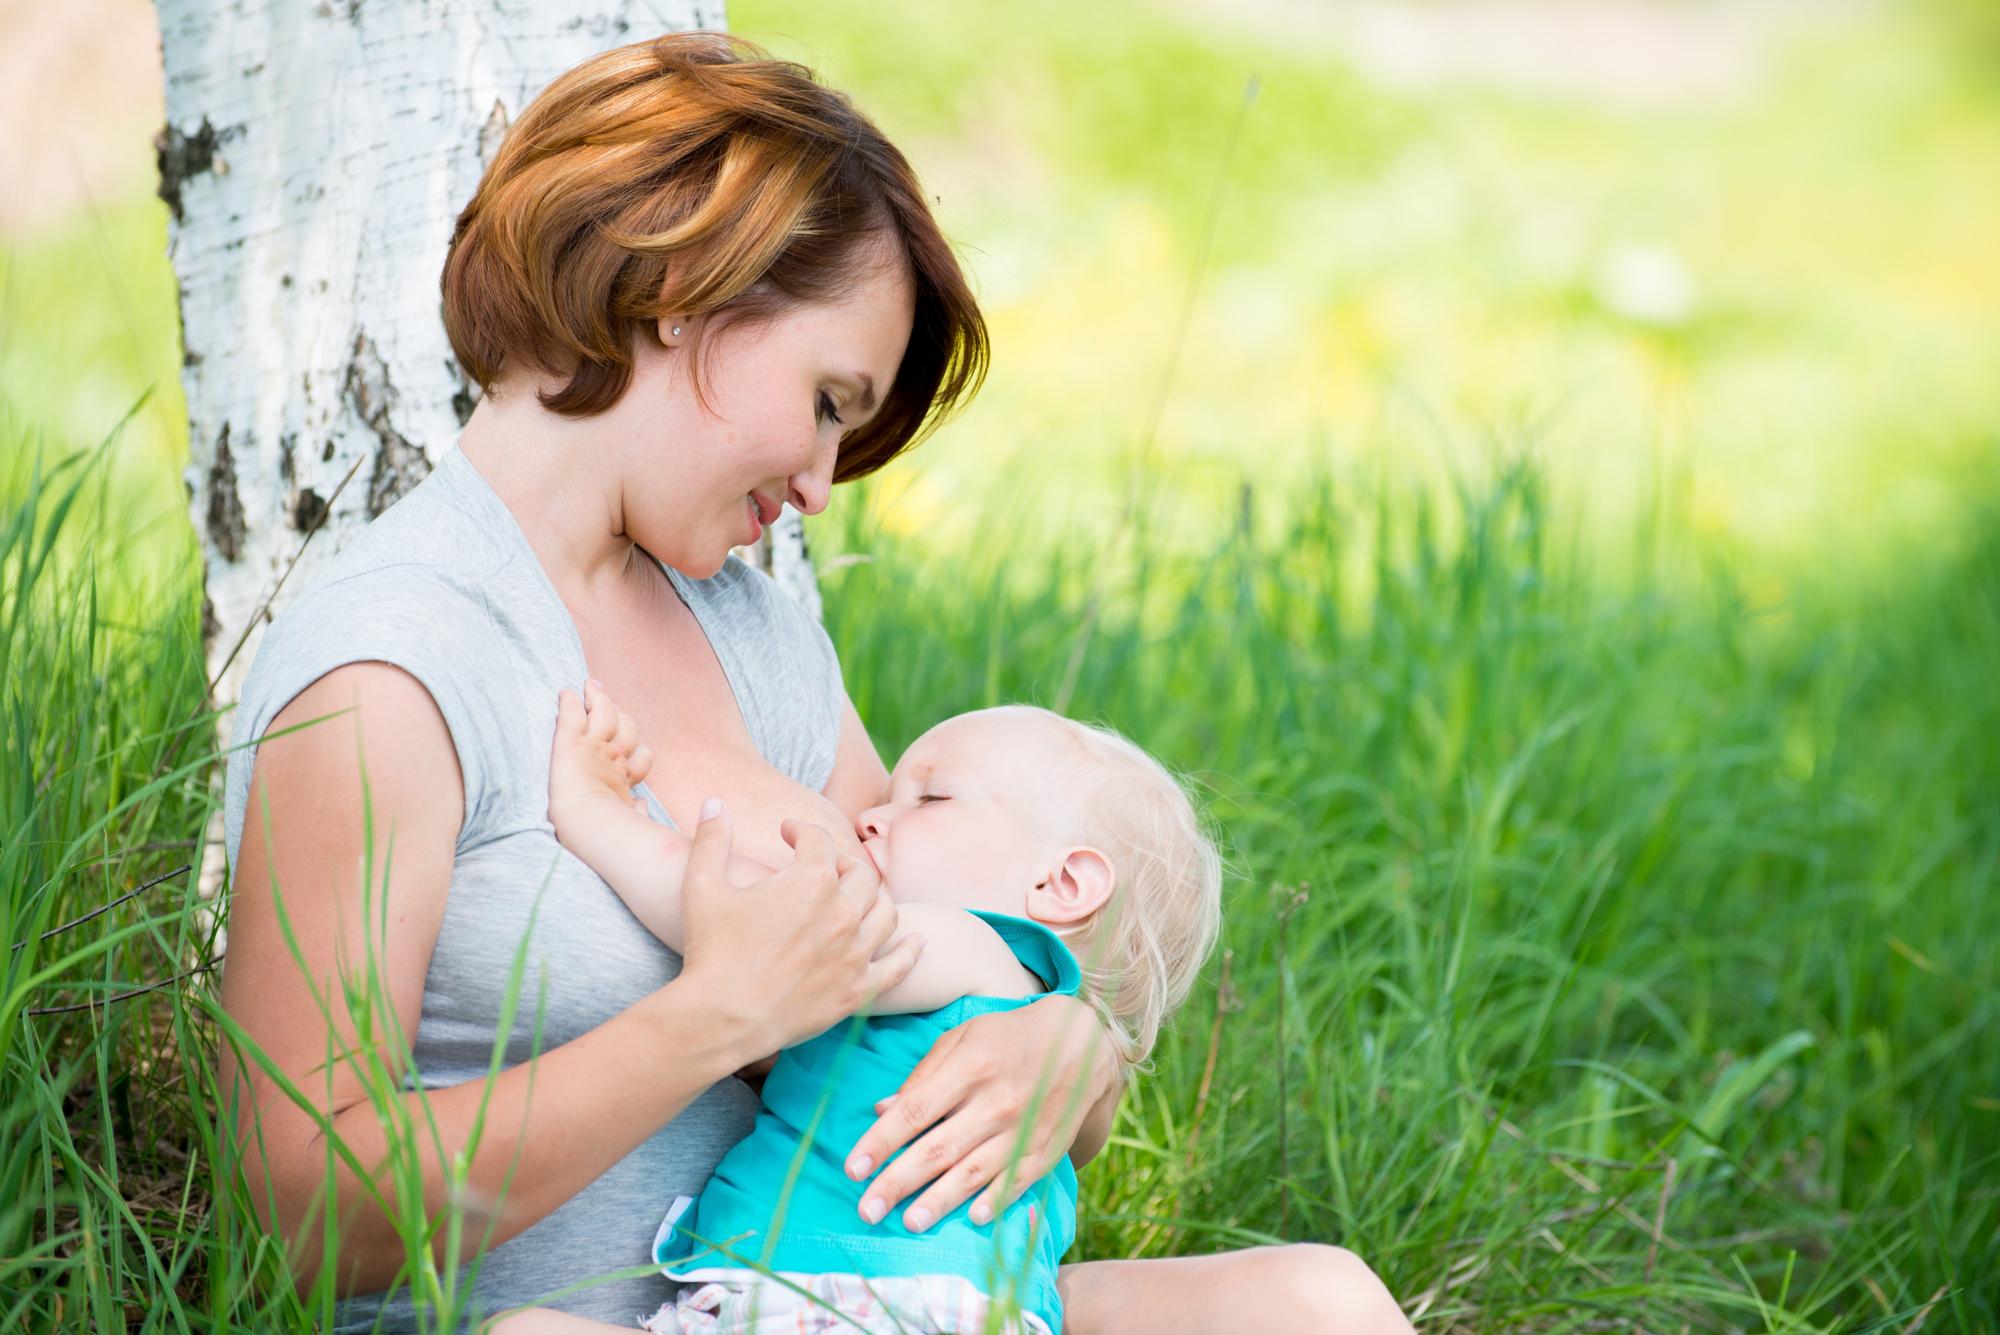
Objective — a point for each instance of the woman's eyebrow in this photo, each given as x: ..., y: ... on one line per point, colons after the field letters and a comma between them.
x: 867, y: 382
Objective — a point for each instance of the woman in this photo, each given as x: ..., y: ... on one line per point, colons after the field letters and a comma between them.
x: 695, y: 285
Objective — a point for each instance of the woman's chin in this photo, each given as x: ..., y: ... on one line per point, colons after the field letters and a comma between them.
x: 696, y: 565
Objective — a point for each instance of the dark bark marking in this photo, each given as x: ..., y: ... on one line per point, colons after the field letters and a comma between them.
x: 226, y: 527
x: 182, y: 157
x: 308, y: 510
x: 399, y: 462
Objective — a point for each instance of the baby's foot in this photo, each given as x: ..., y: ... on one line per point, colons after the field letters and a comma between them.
x: 597, y: 756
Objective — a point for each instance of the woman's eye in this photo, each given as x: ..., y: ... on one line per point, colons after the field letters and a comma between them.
x: 826, y: 409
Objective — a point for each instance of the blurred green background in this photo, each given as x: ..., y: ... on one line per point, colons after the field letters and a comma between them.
x: 1747, y: 251
x: 1741, y: 261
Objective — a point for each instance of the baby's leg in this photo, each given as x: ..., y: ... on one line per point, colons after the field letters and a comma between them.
x: 1306, y: 1287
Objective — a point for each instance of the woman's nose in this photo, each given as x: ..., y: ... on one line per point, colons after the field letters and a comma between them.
x: 812, y: 488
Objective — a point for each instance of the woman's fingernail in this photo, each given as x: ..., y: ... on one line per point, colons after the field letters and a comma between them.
x: 858, y: 1166
x: 873, y: 1208
x: 918, y: 1219
x: 711, y: 808
x: 882, y: 1103
x: 981, y: 1212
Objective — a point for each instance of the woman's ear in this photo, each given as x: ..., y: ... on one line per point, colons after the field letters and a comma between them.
x: 1076, y: 887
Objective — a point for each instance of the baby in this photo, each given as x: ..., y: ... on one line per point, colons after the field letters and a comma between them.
x: 1034, y: 855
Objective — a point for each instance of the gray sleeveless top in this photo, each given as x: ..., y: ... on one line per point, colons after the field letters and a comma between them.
x: 445, y: 587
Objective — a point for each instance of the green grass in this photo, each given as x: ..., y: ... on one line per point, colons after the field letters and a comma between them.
x: 1594, y: 954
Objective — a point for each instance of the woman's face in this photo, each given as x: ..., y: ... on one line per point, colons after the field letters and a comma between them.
x: 781, y: 394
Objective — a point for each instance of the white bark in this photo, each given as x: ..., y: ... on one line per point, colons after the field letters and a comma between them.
x: 314, y: 158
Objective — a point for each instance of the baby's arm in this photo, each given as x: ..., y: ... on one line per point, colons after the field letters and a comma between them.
x: 595, y: 762
x: 962, y: 956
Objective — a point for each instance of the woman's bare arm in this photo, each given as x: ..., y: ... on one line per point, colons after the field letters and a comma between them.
x: 766, y: 965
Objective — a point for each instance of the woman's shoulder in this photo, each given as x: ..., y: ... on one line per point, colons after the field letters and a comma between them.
x: 385, y: 597
x: 425, y: 588
x: 440, y: 575
x: 412, y: 617
x: 449, y: 525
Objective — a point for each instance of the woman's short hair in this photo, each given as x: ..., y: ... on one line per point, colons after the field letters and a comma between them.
x: 692, y: 174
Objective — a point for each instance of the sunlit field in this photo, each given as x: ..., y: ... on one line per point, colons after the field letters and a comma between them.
x: 1558, y: 530
x: 1738, y: 295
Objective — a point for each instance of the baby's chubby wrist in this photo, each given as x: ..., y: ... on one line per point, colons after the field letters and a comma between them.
x: 575, y: 813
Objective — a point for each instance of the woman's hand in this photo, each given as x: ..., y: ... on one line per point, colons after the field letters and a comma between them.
x: 787, y: 957
x: 995, y: 1104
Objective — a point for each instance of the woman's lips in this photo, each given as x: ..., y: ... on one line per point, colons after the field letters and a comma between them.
x: 762, y: 513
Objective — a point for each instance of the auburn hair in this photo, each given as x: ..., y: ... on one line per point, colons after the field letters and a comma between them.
x: 694, y: 175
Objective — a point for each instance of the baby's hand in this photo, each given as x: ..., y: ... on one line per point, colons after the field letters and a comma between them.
x: 597, y: 756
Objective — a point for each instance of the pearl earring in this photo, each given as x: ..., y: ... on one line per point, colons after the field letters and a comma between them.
x: 677, y: 331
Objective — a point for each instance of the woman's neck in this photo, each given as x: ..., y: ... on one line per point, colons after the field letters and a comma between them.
x: 548, y: 470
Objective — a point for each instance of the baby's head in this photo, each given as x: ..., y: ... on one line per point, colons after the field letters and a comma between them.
x: 1017, y: 810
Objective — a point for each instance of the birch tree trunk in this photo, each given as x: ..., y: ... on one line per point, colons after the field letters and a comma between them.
x: 313, y: 160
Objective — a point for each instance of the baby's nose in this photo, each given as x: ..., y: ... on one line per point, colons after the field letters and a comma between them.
x: 874, y: 822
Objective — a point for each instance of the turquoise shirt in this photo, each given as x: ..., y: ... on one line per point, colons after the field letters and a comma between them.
x: 782, y: 1200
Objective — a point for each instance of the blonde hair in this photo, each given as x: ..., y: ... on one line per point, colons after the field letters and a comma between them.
x: 1142, y: 951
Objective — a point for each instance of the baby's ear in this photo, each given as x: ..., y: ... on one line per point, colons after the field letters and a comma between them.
x: 1076, y: 887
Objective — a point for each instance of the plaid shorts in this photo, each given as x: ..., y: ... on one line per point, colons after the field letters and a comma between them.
x: 837, y: 1305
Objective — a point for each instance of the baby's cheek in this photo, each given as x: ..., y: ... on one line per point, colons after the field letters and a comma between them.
x: 924, y: 875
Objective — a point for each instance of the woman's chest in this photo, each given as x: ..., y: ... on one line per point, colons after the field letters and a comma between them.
x: 662, y: 670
